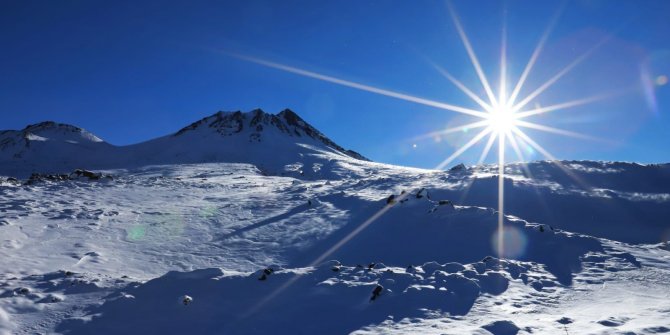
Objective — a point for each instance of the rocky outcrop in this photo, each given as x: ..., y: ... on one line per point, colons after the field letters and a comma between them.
x: 77, y: 174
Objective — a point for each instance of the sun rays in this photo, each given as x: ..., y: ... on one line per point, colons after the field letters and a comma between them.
x: 501, y: 117
x: 500, y: 120
x: 504, y: 120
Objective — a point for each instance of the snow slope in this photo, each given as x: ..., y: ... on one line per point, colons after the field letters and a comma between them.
x: 257, y: 246
x: 603, y: 199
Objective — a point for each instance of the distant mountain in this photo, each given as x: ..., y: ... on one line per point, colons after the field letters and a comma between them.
x: 23, y: 143
x: 270, y: 141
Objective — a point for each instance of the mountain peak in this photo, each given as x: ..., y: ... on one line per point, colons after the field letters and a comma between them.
x: 56, y: 131
x: 43, y: 124
x: 287, y: 113
x: 256, y: 124
x: 17, y: 141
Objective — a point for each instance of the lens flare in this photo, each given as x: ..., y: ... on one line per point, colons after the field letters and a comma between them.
x: 511, y: 243
x: 136, y: 233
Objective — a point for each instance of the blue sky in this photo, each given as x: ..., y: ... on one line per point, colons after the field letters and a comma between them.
x: 131, y: 71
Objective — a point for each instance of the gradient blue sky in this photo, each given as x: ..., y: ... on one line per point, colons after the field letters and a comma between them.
x: 131, y: 71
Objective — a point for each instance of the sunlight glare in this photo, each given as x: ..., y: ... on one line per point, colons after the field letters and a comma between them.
x: 502, y: 119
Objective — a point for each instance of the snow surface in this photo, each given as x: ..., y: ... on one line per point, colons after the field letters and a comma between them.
x: 285, y: 245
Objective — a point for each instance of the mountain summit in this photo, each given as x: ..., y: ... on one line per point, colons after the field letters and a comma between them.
x: 269, y: 141
x: 256, y: 123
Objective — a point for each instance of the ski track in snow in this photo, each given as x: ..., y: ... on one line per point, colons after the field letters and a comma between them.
x: 83, y: 256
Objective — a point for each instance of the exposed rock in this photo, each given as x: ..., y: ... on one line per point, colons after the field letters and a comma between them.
x: 10, y: 181
x: 37, y: 177
x: 85, y: 173
x: 186, y: 300
x: 458, y: 168
x: 76, y: 174
x: 376, y: 292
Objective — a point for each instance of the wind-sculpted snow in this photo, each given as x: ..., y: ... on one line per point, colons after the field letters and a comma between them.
x: 418, y: 230
x: 329, y: 299
x: 82, y: 255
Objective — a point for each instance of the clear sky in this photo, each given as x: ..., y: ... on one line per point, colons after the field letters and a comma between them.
x: 129, y: 71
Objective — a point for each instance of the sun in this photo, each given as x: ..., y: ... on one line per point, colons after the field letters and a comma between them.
x: 502, y: 120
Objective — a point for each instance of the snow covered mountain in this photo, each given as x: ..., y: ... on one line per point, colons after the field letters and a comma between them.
x: 262, y: 127
x: 277, y: 144
x: 254, y: 137
x: 292, y: 234
x: 51, y: 146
